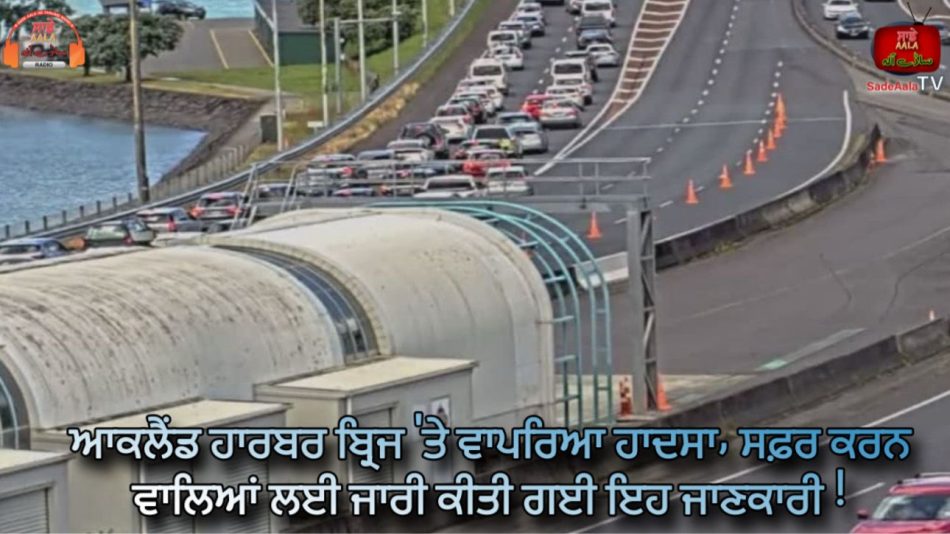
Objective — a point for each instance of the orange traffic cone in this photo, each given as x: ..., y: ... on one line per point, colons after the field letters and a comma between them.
x: 777, y: 128
x: 626, y: 399
x: 593, y: 232
x: 780, y: 106
x: 770, y: 140
x: 762, y: 156
x: 879, y: 156
x: 691, y: 197
x: 662, y: 403
x: 724, y: 181
x: 748, y: 170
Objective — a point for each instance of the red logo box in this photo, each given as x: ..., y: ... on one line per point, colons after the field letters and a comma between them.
x: 907, y: 48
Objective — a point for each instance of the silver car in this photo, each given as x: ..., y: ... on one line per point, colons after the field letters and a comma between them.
x: 29, y: 249
x: 532, y: 137
x: 604, y: 55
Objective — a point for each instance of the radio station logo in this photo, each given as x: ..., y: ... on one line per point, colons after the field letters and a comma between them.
x: 43, y: 48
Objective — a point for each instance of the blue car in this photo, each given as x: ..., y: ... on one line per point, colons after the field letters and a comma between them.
x: 30, y: 249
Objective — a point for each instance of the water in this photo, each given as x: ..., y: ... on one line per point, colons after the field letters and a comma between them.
x: 50, y: 162
x: 217, y: 9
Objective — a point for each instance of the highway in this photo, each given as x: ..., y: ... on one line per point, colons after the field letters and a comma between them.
x: 709, y: 101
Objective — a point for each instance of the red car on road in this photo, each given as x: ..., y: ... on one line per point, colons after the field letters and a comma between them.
x: 919, y: 504
x: 480, y: 160
x: 533, y: 104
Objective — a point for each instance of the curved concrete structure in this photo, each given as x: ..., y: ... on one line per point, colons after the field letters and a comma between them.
x: 86, y: 339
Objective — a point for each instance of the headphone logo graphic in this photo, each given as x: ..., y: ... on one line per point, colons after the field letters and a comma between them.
x: 42, y: 32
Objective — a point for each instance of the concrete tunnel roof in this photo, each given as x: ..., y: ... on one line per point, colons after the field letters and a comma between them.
x: 92, y: 339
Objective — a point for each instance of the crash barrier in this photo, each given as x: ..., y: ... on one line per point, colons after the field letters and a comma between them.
x: 55, y: 227
x: 845, y: 54
x: 752, y: 403
x: 788, y: 208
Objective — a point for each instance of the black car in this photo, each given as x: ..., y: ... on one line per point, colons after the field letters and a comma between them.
x: 592, y: 36
x: 182, y: 9
x: 852, y: 25
x: 431, y: 133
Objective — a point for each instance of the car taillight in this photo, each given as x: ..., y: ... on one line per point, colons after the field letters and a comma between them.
x: 233, y: 210
x: 172, y: 227
x: 196, y: 211
x: 128, y: 240
x: 347, y: 171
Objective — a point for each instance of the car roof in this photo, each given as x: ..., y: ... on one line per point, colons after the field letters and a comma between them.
x: 923, y: 484
x: 157, y: 211
x: 223, y: 194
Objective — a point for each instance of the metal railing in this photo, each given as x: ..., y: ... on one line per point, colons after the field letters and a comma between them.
x: 66, y: 225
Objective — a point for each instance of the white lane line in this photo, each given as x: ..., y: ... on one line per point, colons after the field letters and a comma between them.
x: 620, y: 221
x: 217, y: 47
x: 563, y: 39
x: 700, y: 188
x: 677, y: 126
x: 666, y: 204
x: 865, y: 491
x: 715, y: 72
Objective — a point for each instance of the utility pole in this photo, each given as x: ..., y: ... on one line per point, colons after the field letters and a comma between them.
x: 362, y: 52
x: 339, y: 76
x: 325, y: 101
x: 451, y: 8
x: 425, y: 23
x: 395, y: 38
x: 141, y: 174
x: 278, y: 98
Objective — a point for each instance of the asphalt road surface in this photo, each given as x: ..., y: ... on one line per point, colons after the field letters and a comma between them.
x: 709, y: 102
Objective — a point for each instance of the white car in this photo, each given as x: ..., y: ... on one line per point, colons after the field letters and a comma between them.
x: 508, y: 181
x: 577, y: 81
x: 573, y: 94
x: 498, y: 99
x: 511, y: 57
x: 457, y: 129
x: 452, y: 186
x: 602, y: 8
x: 604, y: 54
x: 490, y: 70
x: 832, y: 9
x: 529, y: 8
x: 560, y: 113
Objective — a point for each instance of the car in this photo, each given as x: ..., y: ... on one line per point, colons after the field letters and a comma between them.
x: 121, y: 233
x: 832, y: 9
x: 591, y: 22
x: 220, y: 206
x: 506, y: 139
x: 455, y: 110
x: 593, y: 35
x: 574, y: 6
x: 918, y: 504
x: 431, y: 133
x: 27, y: 249
x: 534, y: 22
x: 456, y: 129
x: 490, y: 69
x: 181, y: 9
x: 519, y: 27
x: 603, y: 54
x: 508, y: 181
x: 601, y: 8
x: 331, y: 167
x: 573, y: 67
x: 587, y: 57
x: 561, y: 113
x: 532, y: 104
x: 481, y: 159
x: 530, y: 8
x: 485, y: 86
x: 503, y: 37
x: 511, y: 57
x: 587, y: 90
x: 452, y: 186
x: 474, y: 105
x: 378, y: 164
x: 531, y: 136
x: 566, y: 92
x: 169, y: 220
x: 471, y: 145
x: 514, y: 117
x: 273, y: 191
x: 852, y: 25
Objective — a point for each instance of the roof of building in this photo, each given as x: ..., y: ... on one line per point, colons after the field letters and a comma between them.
x: 12, y: 460
x: 198, y: 414
x: 379, y: 374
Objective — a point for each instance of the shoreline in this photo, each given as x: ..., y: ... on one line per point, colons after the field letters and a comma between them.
x: 216, y: 116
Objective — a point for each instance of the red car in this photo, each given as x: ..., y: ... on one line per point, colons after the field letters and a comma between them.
x: 480, y: 160
x: 532, y: 105
x: 919, y: 504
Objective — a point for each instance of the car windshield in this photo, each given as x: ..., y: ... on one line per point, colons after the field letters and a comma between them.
x: 568, y: 68
x: 841, y: 2
x: 106, y: 231
x: 155, y: 217
x: 19, y: 249
x: 492, y: 133
x: 913, y: 508
x: 487, y: 70
x: 597, y: 7
x: 442, y: 185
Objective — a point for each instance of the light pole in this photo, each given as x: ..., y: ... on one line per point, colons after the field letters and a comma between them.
x: 278, y: 98
x: 141, y: 174
x: 325, y: 102
x: 425, y: 23
x: 395, y: 38
x: 339, y: 75
x: 362, y: 46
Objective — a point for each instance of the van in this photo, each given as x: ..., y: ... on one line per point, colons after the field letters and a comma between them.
x: 602, y: 8
x: 504, y: 37
x: 571, y: 68
x: 490, y: 69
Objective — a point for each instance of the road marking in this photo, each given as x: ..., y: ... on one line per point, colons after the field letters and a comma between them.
x: 725, y: 42
x: 217, y: 47
x: 865, y: 491
x: 700, y: 188
x: 715, y: 72
x: 261, y: 48
x: 666, y: 204
x: 810, y: 349
x: 557, y: 50
x: 563, y: 39
x: 620, y: 221
x: 700, y: 102
x: 718, y: 61
x: 720, y: 123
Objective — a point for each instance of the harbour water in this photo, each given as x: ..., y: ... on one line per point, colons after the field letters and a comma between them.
x: 217, y: 9
x: 50, y: 162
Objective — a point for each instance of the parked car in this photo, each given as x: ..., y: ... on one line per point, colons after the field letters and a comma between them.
x: 832, y: 9
x: 561, y: 113
x: 124, y: 233
x: 169, y: 220
x: 219, y: 206
x: 182, y: 9
x: 531, y: 136
x: 919, y: 504
x: 431, y: 133
x: 852, y: 26
x: 29, y: 249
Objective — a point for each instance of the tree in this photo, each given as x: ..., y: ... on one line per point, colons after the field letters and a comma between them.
x: 108, y: 44
x: 378, y: 35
